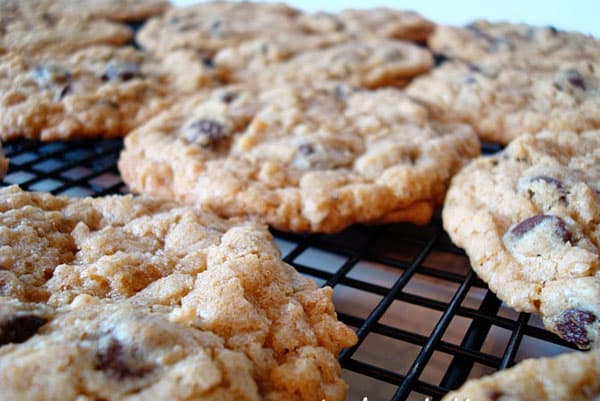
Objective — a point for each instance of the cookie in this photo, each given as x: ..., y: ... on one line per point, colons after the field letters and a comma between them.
x: 370, y: 64
x: 502, y: 98
x: 387, y: 23
x: 96, y: 92
x: 481, y: 38
x: 570, y: 377
x: 212, y: 26
x: 527, y: 217
x: 3, y: 163
x: 243, y: 62
x: 138, y: 298
x: 116, y: 10
x: 54, y: 35
x: 301, y: 158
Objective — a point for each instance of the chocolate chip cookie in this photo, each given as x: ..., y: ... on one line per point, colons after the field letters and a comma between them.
x: 569, y: 377
x: 116, y: 10
x: 136, y: 298
x: 51, y: 34
x: 481, y: 38
x: 209, y: 27
x: 503, y: 98
x: 95, y: 92
x: 387, y: 23
x: 370, y: 64
x: 528, y: 219
x: 301, y: 158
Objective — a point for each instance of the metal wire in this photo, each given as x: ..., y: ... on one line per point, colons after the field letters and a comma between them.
x: 83, y: 168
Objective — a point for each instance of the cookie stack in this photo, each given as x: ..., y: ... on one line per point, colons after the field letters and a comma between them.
x: 242, y: 115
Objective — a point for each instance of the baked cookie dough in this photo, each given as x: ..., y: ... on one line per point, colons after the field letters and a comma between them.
x: 503, y: 98
x: 301, y: 158
x: 53, y: 35
x: 96, y: 92
x: 370, y: 64
x: 528, y: 220
x: 569, y: 377
x: 387, y: 23
x: 136, y: 298
x: 481, y: 38
x: 209, y: 27
x: 116, y: 10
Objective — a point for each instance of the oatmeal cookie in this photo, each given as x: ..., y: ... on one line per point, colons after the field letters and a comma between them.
x: 386, y: 23
x: 481, y: 38
x: 502, y: 98
x: 209, y: 27
x: 95, y: 92
x: 301, y: 158
x: 370, y: 64
x: 569, y: 377
x: 136, y: 298
x: 528, y: 220
x: 53, y: 35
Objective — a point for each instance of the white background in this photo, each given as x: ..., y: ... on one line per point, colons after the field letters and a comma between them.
x: 579, y: 15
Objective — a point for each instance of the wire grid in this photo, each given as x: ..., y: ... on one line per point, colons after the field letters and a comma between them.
x: 420, y: 274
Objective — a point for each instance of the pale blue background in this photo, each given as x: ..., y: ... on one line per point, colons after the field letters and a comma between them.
x: 579, y: 15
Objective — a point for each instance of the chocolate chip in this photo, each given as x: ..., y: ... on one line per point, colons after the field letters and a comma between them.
x: 229, y: 97
x: 20, y: 328
x: 50, y: 74
x: 574, y: 78
x: 571, y: 326
x: 122, y: 72
x: 529, y: 224
x: 306, y: 149
x: 553, y: 30
x: 204, y: 132
x: 119, y: 362
x: 215, y: 29
x: 208, y: 62
x: 548, y: 180
x: 64, y: 91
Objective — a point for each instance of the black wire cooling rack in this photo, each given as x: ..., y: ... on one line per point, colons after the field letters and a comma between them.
x: 425, y: 322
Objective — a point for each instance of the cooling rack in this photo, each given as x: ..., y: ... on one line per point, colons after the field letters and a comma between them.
x: 425, y: 322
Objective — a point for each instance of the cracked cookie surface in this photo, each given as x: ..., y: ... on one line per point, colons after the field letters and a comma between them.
x: 301, y: 158
x: 96, y: 92
x: 136, y: 298
x: 528, y: 219
x: 569, y: 377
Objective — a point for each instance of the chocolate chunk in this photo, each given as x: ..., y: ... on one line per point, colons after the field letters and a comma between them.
x: 574, y: 78
x: 529, y: 224
x: 553, y: 30
x: 64, y: 91
x: 571, y: 326
x: 306, y: 149
x: 20, y: 328
x: 205, y: 132
x: 229, y: 97
x: 122, y: 72
x: 119, y: 362
x: 548, y: 180
x: 50, y: 74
